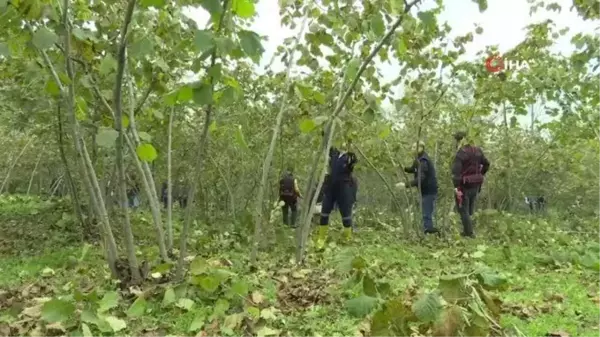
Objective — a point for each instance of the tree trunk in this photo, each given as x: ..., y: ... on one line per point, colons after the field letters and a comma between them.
x: 68, y: 175
x: 202, y: 144
x: 37, y: 162
x: 14, y: 163
x: 308, y: 203
x: 170, y: 184
x: 117, y: 98
x: 508, y: 159
x: 89, y: 173
x: 258, y: 207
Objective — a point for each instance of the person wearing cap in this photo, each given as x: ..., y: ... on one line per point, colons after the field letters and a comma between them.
x: 425, y: 180
x: 468, y: 170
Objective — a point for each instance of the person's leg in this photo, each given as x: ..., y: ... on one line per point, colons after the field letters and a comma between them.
x: 472, y: 195
x: 463, y: 210
x: 345, y: 203
x: 427, y: 204
x: 294, y: 208
x: 285, y: 213
x: 326, y: 208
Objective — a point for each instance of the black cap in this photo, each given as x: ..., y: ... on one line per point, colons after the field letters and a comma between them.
x: 460, y: 135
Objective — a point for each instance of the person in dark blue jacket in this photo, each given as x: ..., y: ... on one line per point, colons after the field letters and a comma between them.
x: 339, y: 190
x: 423, y: 169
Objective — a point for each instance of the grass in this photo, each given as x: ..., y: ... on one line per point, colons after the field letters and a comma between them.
x: 542, y: 296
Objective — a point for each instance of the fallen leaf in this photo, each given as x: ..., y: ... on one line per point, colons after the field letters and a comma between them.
x: 257, y: 297
x: 557, y: 334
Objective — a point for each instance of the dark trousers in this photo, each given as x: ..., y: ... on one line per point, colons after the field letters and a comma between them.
x: 341, y: 193
x: 290, y: 204
x: 466, y: 209
x: 428, y: 207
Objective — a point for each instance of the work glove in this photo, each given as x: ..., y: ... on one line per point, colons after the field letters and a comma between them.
x: 400, y: 185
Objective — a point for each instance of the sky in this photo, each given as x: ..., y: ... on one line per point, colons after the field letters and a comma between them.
x: 503, y: 25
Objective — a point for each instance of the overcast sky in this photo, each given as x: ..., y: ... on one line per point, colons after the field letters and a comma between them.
x: 503, y: 25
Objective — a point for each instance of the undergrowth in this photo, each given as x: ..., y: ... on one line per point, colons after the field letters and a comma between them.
x: 522, y: 275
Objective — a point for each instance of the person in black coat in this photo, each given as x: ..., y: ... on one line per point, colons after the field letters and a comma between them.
x: 425, y: 179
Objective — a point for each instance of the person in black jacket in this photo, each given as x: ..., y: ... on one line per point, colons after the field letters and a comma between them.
x: 468, y: 170
x: 289, y: 193
x: 425, y: 179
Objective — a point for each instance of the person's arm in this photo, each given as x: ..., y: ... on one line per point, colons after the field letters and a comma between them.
x: 457, y: 169
x: 297, y: 189
x: 485, y: 164
x: 352, y: 160
x: 422, y: 168
x: 412, y: 168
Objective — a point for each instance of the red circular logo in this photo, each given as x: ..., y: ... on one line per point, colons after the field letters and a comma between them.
x: 494, y: 64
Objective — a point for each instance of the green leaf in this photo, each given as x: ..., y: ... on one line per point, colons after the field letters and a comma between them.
x: 108, y: 65
x: 203, y: 95
x: 145, y: 136
x: 266, y: 331
x: 88, y: 316
x: 377, y: 25
x: 106, y: 137
x: 240, y: 288
x: 185, y: 304
x: 482, y: 4
x: 215, y: 71
x: 361, y: 306
x: 307, y: 125
x: 146, y: 152
x: 401, y: 46
x: 221, y: 307
x: 4, y: 50
x: 204, y: 40
x: 116, y: 324
x: 303, y: 91
x: 86, y: 332
x: 453, y: 287
x: 244, y: 8
x: 198, y: 266
x: 358, y: 263
x: 251, y: 45
x: 490, y: 280
x: 52, y: 88
x: 428, y: 19
x: 352, y: 69
x: 198, y: 322
x: 140, y: 48
x: 209, y: 283
x: 369, y: 286
x: 108, y: 301
x: 125, y: 121
x: 185, y: 94
x: 170, y: 100
x: 137, y: 308
x: 153, y: 3
x: 214, y: 7
x: 57, y: 310
x: 44, y: 38
x: 427, y: 308
x: 169, y: 297
x: 385, y: 132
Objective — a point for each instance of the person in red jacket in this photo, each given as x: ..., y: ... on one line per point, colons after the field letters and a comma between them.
x: 468, y: 170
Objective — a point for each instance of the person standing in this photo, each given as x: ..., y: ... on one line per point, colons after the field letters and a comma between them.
x: 340, y: 191
x: 289, y: 193
x: 425, y: 180
x: 468, y: 170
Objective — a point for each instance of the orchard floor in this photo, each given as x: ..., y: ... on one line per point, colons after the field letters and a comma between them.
x: 552, y: 283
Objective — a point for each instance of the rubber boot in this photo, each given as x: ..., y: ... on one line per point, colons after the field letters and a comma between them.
x: 322, y: 237
x: 347, y: 233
